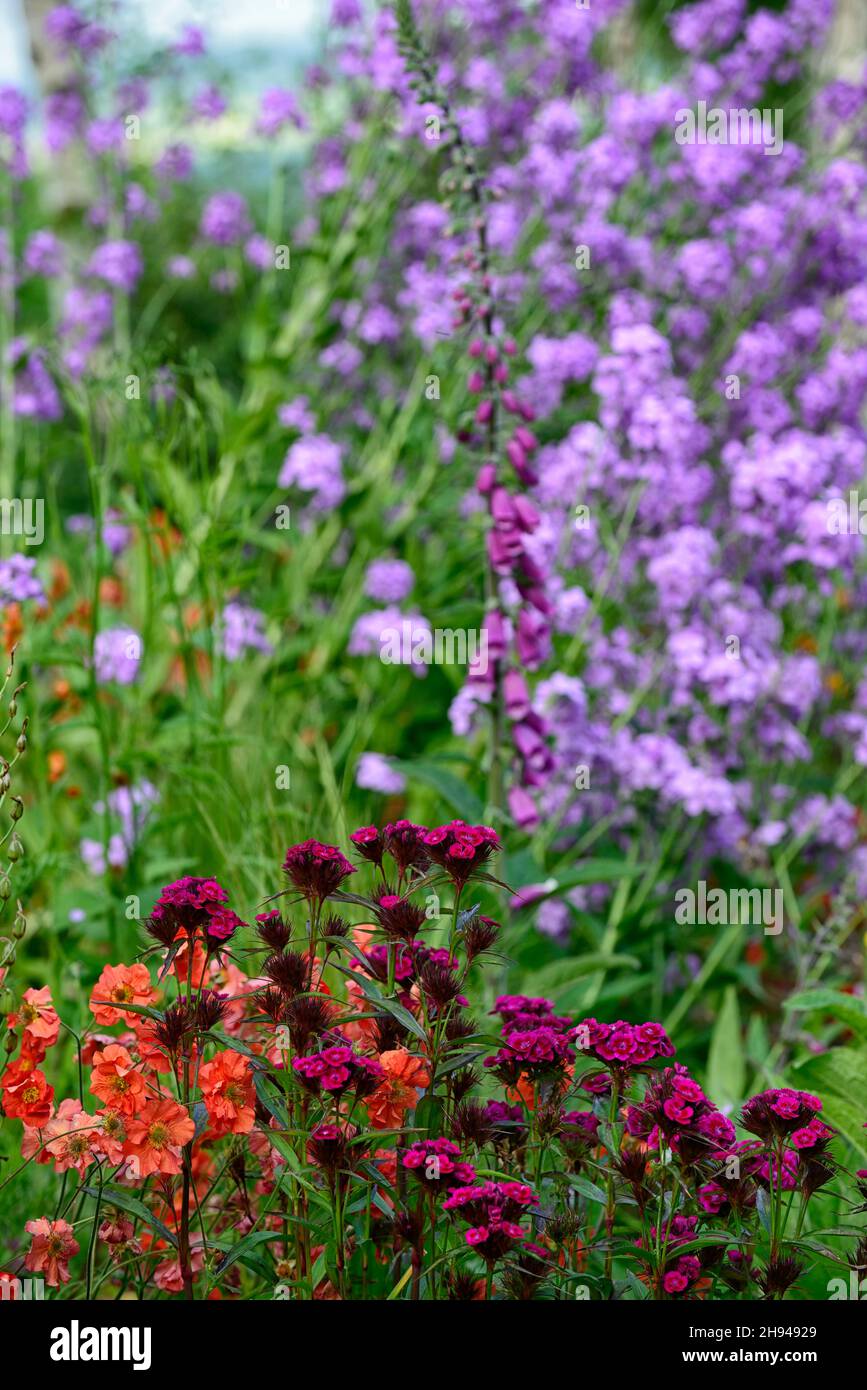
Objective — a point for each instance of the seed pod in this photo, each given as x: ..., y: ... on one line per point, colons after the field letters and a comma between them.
x: 17, y: 808
x: 21, y: 742
x: 10, y: 1042
x: 15, y: 850
x: 7, y: 1002
x: 5, y: 888
x: 13, y: 708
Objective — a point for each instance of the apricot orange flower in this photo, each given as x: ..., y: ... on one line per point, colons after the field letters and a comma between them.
x: 119, y: 985
x: 27, y: 1095
x: 115, y: 1081
x: 37, y: 1017
x: 398, y: 1092
x: 53, y: 1247
x: 70, y: 1138
x: 227, y: 1086
x: 155, y: 1137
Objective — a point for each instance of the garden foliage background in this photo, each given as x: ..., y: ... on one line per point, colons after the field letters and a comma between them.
x: 237, y: 371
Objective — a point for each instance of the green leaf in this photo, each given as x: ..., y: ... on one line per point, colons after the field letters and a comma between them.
x: 116, y: 1197
x: 371, y: 992
x: 587, y: 1188
x: 450, y: 787
x: 591, y: 871
x: 243, y: 1248
x: 561, y: 973
x: 844, y: 1008
x: 726, y: 1069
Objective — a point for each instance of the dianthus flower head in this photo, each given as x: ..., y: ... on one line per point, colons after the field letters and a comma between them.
x: 315, y: 869
x: 778, y: 1112
x: 461, y: 849
x: 492, y: 1211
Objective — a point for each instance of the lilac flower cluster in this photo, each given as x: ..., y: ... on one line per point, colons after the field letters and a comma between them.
x: 669, y: 390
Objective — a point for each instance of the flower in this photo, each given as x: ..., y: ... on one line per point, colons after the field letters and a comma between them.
x: 461, y: 849
x: 51, y: 1249
x: 226, y: 1084
x: 336, y: 1068
x: 278, y: 109
x: 375, y: 773
x: 493, y: 1211
x: 779, y: 1112
x: 117, y: 654
x: 27, y: 1095
x: 38, y: 1019
x: 187, y: 905
x: 155, y: 1137
x: 315, y: 869
x: 437, y: 1164
x: 241, y: 631
x: 71, y: 1137
x: 404, y: 1077
x: 116, y: 1081
x: 118, y: 263
x: 313, y: 463
x: 119, y: 985
x: 388, y: 581
x: 225, y: 219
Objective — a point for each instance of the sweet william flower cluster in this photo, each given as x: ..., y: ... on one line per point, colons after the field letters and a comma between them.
x: 315, y: 1102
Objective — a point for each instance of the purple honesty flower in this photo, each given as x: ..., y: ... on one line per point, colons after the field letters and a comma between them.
x: 36, y: 394
x: 18, y: 580
x: 296, y: 415
x: 191, y: 43
x: 64, y: 118
x: 241, y: 631
x: 118, y: 263
x: 175, y: 163
x: 209, y: 103
x: 117, y: 655
x: 259, y: 252
x: 375, y: 773
x: 225, y: 219
x: 43, y: 254
x: 279, y: 108
x: 313, y: 464
x: 388, y: 581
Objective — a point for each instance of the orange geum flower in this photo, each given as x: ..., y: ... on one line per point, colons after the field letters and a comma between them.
x: 115, y: 1081
x: 70, y: 1138
x: 110, y: 1137
x: 27, y: 1095
x: 398, y: 1092
x: 156, y: 1136
x: 119, y: 985
x: 227, y: 1086
x: 37, y: 1018
x: 53, y: 1247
